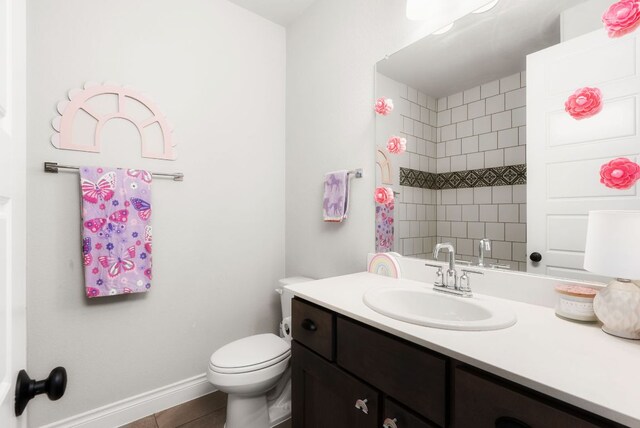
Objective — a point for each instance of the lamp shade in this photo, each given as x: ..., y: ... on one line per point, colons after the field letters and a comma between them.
x: 613, y: 244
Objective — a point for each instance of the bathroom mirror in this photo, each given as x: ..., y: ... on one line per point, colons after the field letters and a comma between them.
x: 490, y: 151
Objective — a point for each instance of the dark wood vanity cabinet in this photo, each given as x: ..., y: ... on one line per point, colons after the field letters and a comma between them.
x: 346, y: 374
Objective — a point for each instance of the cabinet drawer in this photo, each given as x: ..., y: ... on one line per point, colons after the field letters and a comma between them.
x: 411, y: 375
x: 402, y: 417
x: 313, y: 327
x: 481, y: 401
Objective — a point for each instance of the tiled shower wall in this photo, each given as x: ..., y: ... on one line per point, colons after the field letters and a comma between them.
x: 483, y: 127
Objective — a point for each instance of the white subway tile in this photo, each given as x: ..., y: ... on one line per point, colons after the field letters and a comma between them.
x: 421, y: 147
x: 403, y: 90
x: 493, y: 158
x: 482, y: 125
x: 400, y: 211
x: 442, y: 103
x: 488, y: 142
x: 407, y: 125
x: 414, y: 161
x: 501, y: 121
x: 495, y: 104
x: 444, y: 118
x: 476, y: 109
x: 515, y: 155
x: 404, y: 228
x: 523, y: 213
x: 471, y: 95
x: 433, y: 118
x: 454, y: 213
x: 421, y: 212
x: 494, y: 231
x: 424, y: 115
x: 411, y: 211
x: 431, y: 149
x: 459, y: 114
x: 417, y: 244
x: 441, y: 150
x: 417, y: 195
x: 454, y: 147
x: 502, y: 194
x: 412, y: 94
x: 415, y: 111
x: 515, y: 232
x: 490, y: 89
x: 475, y: 160
x: 509, y: 213
x: 475, y: 230
x: 459, y: 229
x: 448, y: 133
x: 441, y: 211
x: 454, y: 100
x: 464, y: 129
x: 520, y: 194
x: 481, y: 195
x: 458, y: 163
x: 404, y: 107
x: 433, y: 165
x: 522, y: 135
x: 515, y: 99
x: 411, y: 144
x: 470, y: 144
x: 417, y: 128
x: 508, y: 138
x: 414, y: 230
x: 465, y: 247
x: 443, y: 165
x: 431, y: 209
x: 510, y: 83
x: 519, y: 252
x: 449, y: 196
x: 489, y: 213
x: 501, y: 250
x: 407, y: 246
x: 523, y: 79
x: 470, y: 212
x: 519, y: 117
x: 432, y: 103
x: 422, y: 99
x: 444, y: 228
x: 464, y: 196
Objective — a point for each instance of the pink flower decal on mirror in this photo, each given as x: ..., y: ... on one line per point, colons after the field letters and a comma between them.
x: 620, y: 173
x: 622, y: 18
x: 384, y: 106
x: 584, y: 103
x: 383, y: 195
x: 396, y: 145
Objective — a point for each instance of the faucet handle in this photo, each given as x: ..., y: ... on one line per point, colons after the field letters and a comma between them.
x: 439, y: 274
x: 499, y: 266
x: 465, y: 284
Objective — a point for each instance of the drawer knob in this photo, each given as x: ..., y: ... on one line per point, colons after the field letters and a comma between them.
x: 309, y: 325
x: 362, y: 405
x: 507, y: 422
x: 390, y: 423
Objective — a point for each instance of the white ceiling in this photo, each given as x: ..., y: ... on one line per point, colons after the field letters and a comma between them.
x: 281, y: 12
x: 480, y: 48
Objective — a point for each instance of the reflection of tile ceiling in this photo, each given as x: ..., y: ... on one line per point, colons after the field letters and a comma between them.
x: 498, y: 176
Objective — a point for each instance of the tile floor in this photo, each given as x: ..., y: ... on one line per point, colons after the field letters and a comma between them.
x: 208, y: 411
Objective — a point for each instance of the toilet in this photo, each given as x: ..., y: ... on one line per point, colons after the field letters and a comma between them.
x: 254, y: 372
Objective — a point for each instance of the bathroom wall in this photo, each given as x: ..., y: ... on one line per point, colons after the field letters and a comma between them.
x: 218, y: 73
x: 331, y: 52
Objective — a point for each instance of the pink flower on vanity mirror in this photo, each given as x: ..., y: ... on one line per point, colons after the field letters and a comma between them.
x: 584, y: 103
x: 383, y: 195
x: 622, y: 18
x: 384, y: 106
x: 620, y: 173
x: 396, y: 145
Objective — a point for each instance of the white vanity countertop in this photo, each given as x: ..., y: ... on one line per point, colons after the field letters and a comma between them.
x: 573, y: 362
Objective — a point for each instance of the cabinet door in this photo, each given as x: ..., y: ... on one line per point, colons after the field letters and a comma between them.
x: 325, y: 396
x: 480, y: 401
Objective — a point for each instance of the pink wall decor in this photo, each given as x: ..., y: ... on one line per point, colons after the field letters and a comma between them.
x: 620, y: 173
x: 384, y: 106
x: 383, y: 195
x: 584, y: 102
x: 622, y: 18
x: 396, y: 145
x: 103, y: 102
x: 385, y: 166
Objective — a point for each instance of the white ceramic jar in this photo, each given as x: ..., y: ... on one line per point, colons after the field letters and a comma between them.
x: 576, y: 302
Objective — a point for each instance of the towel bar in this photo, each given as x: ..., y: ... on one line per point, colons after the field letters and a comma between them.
x: 53, y: 167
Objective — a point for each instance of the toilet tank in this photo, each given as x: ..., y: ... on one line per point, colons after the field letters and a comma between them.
x: 286, y: 295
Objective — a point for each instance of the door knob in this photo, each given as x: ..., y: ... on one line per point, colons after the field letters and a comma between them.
x: 27, y: 388
x: 535, y: 257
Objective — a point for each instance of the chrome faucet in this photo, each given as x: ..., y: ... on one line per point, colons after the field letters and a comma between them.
x: 448, y: 282
x: 485, y: 245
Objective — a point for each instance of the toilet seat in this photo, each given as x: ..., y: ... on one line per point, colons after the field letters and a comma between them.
x: 250, y: 354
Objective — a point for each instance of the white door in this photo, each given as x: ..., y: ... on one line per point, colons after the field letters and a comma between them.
x: 564, y: 155
x: 12, y: 205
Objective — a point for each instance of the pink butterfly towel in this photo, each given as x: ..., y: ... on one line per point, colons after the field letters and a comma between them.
x: 116, y: 230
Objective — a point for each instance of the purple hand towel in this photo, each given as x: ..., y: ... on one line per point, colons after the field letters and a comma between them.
x: 116, y: 230
x: 336, y: 196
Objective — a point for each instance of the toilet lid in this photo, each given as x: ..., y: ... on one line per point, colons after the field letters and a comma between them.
x: 250, y: 353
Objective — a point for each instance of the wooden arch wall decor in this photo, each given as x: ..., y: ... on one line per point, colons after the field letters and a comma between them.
x: 84, y: 99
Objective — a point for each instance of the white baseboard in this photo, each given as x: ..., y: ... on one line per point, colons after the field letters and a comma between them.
x: 137, y: 407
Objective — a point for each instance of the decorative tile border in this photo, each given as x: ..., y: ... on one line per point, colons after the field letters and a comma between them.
x: 498, y: 176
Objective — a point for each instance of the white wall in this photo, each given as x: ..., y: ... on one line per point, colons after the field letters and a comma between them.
x: 218, y: 72
x: 331, y: 53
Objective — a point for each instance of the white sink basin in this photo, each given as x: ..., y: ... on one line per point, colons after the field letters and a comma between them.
x: 423, y: 306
